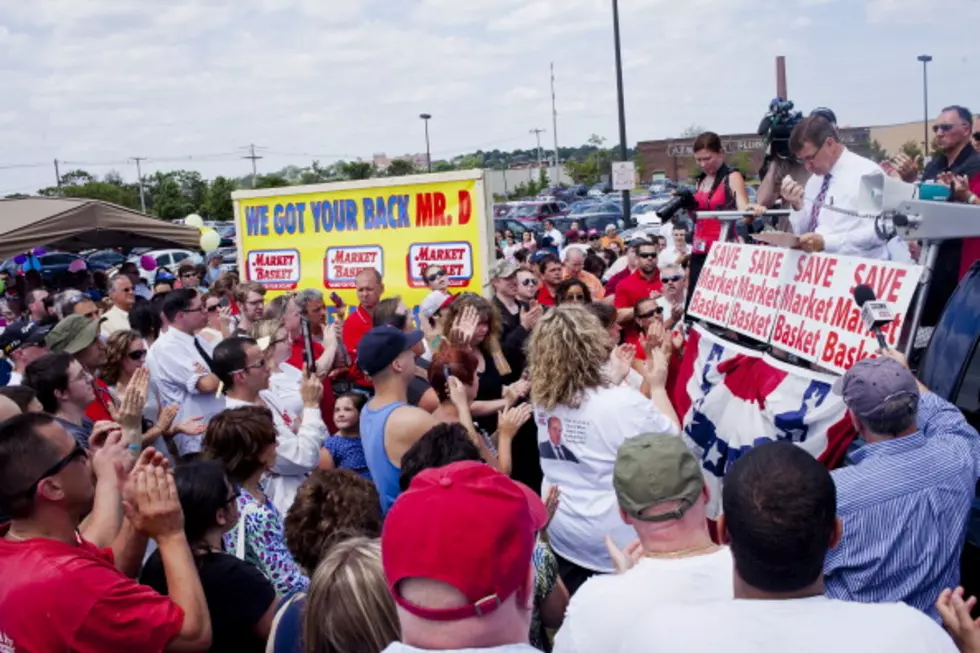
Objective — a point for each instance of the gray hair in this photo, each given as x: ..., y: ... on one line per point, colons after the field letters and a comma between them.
x: 902, y: 413
x: 304, y: 297
x: 671, y: 266
x: 66, y: 300
x: 115, y: 278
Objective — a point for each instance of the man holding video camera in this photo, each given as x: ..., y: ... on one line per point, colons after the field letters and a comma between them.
x: 823, y: 208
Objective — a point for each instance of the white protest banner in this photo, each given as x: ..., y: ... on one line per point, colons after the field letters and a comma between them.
x: 801, y: 303
x: 819, y: 319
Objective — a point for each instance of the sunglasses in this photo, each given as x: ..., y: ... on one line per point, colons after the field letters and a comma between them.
x: 669, y: 279
x: 529, y: 282
x: 574, y: 297
x: 137, y: 355
x: 199, y: 309
x: 649, y: 314
x: 943, y: 127
x: 75, y: 453
x: 213, y: 308
x: 647, y: 255
x: 435, y: 275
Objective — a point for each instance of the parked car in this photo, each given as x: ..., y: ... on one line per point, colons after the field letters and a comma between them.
x: 516, y: 226
x: 103, y: 259
x: 588, y: 221
x: 500, y: 210
x: 582, y: 206
x: 660, y: 186
x: 227, y: 232
x: 578, y: 190
x: 165, y: 258
x: 54, y: 265
x: 646, y: 212
x: 600, y: 189
x: 229, y: 258
x: 534, y: 212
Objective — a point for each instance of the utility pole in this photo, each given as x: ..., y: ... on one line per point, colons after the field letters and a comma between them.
x: 627, y: 219
x: 426, y: 117
x: 139, y: 178
x: 57, y: 174
x: 554, y: 124
x: 254, y: 157
x: 925, y: 59
x: 537, y: 133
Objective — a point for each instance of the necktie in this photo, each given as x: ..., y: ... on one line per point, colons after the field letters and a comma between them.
x: 817, y: 204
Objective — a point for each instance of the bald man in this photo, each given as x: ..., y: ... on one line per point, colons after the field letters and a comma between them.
x: 574, y: 264
x: 8, y: 408
x: 370, y: 287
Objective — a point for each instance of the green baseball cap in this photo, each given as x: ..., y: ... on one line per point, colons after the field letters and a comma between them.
x: 73, y: 334
x: 656, y: 468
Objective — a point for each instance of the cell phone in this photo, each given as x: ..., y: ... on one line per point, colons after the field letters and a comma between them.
x: 446, y: 374
x: 337, y: 300
x: 224, y: 302
x: 308, y: 345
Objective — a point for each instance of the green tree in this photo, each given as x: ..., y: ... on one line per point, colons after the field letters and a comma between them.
x: 81, y: 184
x: 175, y: 194
x: 877, y: 152
x: 911, y: 149
x: 358, y: 170
x: 471, y: 161
x: 400, y: 168
x: 272, y: 180
x: 442, y: 166
x: 692, y: 130
x: 217, y: 204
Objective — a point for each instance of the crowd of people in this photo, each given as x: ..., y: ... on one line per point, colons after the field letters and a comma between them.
x: 178, y: 472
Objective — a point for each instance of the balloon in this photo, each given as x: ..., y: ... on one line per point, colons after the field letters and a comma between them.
x: 40, y: 251
x: 77, y: 265
x: 20, y: 259
x: 194, y: 220
x: 148, y: 263
x: 210, y: 240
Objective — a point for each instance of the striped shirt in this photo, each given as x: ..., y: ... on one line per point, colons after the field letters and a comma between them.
x: 904, y: 508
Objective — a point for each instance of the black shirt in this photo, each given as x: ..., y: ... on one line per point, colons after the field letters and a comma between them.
x: 966, y: 163
x: 237, y: 594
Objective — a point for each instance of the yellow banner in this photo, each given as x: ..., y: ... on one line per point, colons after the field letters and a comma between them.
x: 322, y: 239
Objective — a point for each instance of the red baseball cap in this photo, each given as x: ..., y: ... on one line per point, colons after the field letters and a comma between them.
x: 466, y: 525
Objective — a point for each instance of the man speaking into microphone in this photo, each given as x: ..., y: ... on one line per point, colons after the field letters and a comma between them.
x: 835, y: 184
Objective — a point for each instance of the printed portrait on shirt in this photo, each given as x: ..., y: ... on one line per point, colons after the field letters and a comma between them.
x: 553, y: 448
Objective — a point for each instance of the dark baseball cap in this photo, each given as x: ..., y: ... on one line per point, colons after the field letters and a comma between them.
x: 73, y: 334
x: 879, y: 388
x: 23, y: 334
x: 656, y: 468
x: 382, y: 345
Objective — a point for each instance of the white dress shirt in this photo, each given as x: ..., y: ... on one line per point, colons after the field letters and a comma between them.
x: 845, y: 234
x: 557, y: 239
x: 115, y: 319
x: 297, y: 454
x: 171, y: 362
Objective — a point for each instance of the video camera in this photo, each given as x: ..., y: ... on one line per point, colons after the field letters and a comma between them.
x: 777, y: 125
x: 682, y: 199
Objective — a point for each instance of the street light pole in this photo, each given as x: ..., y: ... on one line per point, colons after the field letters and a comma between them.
x: 925, y: 59
x: 627, y: 219
x: 428, y: 155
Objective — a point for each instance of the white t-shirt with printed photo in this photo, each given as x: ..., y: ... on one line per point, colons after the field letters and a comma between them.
x: 581, y: 465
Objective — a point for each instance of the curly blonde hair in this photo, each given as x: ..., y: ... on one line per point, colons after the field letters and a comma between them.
x: 566, y: 354
x: 117, y: 348
x: 487, y: 311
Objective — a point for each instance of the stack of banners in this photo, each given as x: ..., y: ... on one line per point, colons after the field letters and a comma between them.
x: 324, y: 236
x: 801, y: 303
x: 731, y: 399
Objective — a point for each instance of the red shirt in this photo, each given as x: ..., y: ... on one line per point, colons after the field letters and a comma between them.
x: 297, y: 360
x: 355, y: 327
x: 98, y: 410
x: 545, y: 298
x: 57, y: 597
x: 631, y: 290
x: 617, y: 279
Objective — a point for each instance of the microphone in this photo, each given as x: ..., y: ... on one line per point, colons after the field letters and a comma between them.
x: 875, y: 314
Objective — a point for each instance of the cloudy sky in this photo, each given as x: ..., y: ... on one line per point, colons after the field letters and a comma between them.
x: 189, y: 82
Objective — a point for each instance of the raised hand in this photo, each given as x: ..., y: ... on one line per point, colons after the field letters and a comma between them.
x: 656, y: 369
x: 100, y: 432
x: 457, y: 393
x: 529, y: 318
x: 955, y: 613
x: 622, y: 360
x: 510, y: 421
x: 129, y: 413
x: 464, y: 326
x: 656, y: 334
x: 193, y: 426
x: 792, y: 191
x: 310, y: 389
x: 113, y: 460
x: 551, y: 502
x: 516, y: 390
x: 155, y: 509
x: 907, y: 168
x: 165, y: 419
x: 623, y: 560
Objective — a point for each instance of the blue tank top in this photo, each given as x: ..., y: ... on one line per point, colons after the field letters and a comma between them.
x: 383, y: 472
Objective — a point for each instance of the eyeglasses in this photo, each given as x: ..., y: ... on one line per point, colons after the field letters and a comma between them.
x: 647, y: 255
x: 213, y: 308
x: 649, y: 314
x: 670, y: 279
x: 254, y: 366
x: 529, y: 282
x: 435, y: 275
x: 812, y: 157
x: 943, y: 127
x: 137, y: 355
x: 574, y: 297
x: 76, y: 452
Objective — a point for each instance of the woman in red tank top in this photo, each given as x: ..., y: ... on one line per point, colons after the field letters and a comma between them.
x: 719, y: 188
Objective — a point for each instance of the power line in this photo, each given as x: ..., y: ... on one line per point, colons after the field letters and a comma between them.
x: 254, y: 157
